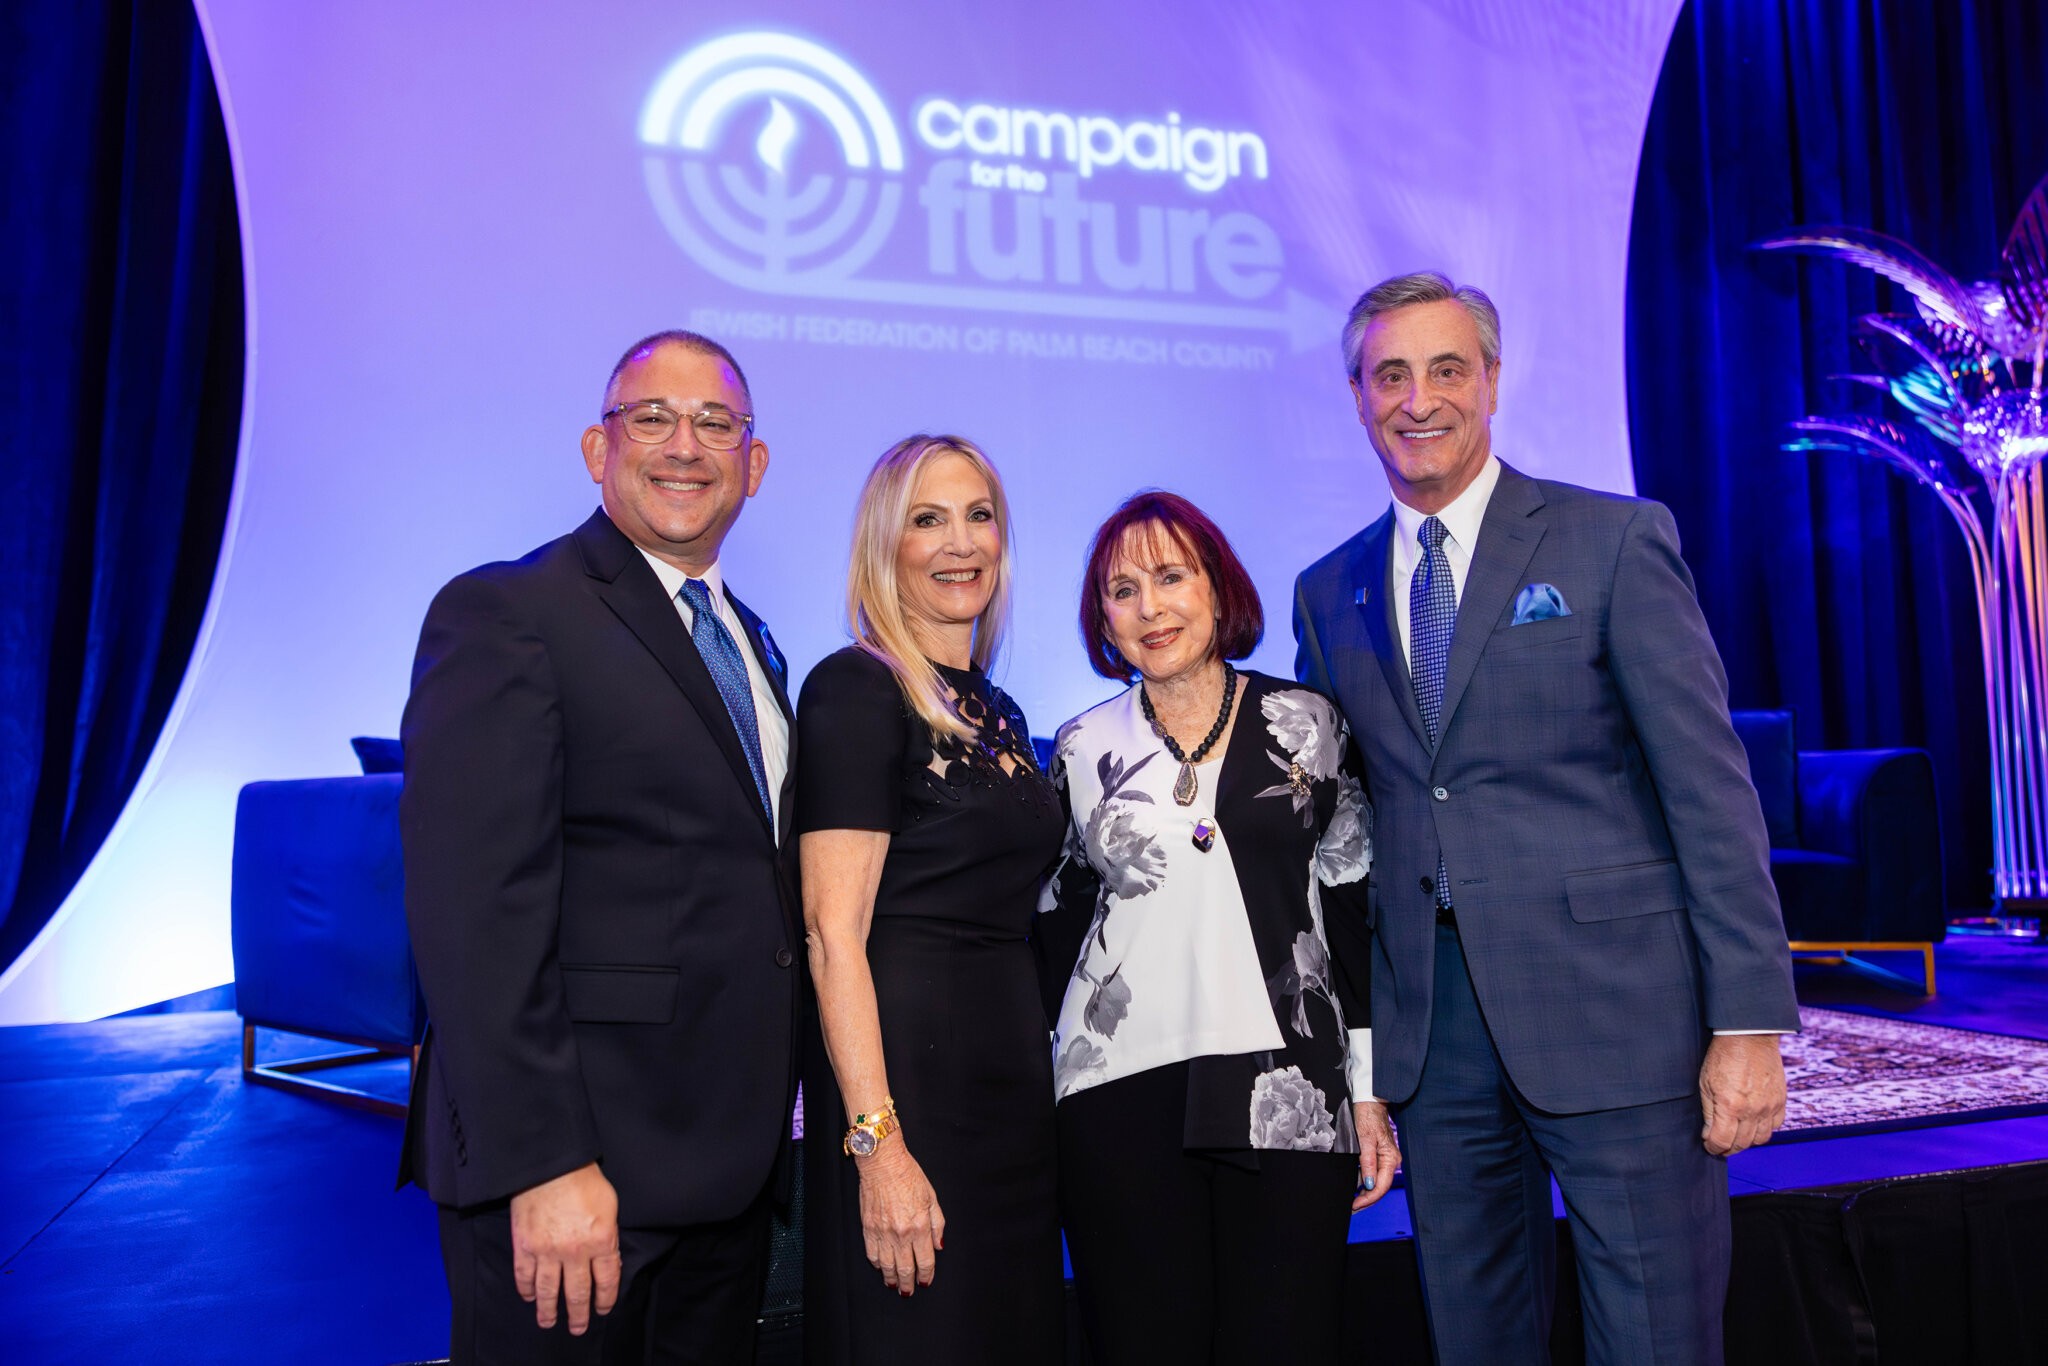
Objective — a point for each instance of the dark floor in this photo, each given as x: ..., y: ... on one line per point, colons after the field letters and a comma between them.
x: 154, y: 1209
x: 1981, y: 982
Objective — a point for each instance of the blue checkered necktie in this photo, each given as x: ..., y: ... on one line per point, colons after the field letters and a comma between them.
x: 729, y: 671
x: 1432, y: 613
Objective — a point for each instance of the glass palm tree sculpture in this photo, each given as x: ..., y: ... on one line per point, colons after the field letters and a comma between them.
x: 1963, y: 374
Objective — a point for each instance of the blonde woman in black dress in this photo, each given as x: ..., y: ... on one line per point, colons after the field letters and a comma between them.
x: 926, y: 829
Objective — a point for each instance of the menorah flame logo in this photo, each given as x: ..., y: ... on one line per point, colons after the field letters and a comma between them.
x: 747, y: 219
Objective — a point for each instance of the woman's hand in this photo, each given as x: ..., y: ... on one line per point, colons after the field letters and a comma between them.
x: 1379, y: 1155
x: 900, y: 1217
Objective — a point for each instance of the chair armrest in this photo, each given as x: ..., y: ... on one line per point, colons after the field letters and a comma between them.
x: 1877, y: 806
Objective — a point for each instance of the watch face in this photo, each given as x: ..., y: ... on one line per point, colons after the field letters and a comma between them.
x: 861, y: 1142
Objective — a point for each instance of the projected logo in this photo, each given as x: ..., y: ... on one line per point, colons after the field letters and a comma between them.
x: 777, y: 167
x: 753, y: 219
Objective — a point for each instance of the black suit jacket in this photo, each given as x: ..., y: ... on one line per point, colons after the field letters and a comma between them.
x: 606, y: 926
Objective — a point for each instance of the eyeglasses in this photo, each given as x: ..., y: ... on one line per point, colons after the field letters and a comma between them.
x: 715, y: 429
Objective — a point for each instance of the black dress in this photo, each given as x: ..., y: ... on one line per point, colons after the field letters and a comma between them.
x: 974, y: 827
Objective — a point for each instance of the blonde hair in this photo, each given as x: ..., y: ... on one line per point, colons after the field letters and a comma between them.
x: 874, y: 600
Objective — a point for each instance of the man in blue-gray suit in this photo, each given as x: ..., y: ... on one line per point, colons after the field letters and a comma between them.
x: 1579, y: 967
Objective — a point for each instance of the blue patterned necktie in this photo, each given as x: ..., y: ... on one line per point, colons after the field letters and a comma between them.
x: 1432, y: 612
x: 729, y: 671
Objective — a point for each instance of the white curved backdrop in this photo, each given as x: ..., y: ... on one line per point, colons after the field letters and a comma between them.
x: 1113, y: 244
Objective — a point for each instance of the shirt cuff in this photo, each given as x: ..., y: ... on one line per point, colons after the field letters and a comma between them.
x: 1719, y: 1032
x: 1358, y: 1064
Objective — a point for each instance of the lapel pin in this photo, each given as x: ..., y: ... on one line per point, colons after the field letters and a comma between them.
x: 1205, y: 834
x: 775, y: 661
x: 1363, y: 594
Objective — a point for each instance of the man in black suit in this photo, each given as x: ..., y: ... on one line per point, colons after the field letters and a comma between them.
x: 596, y: 800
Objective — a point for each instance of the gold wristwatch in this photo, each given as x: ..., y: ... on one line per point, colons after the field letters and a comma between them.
x: 868, y: 1131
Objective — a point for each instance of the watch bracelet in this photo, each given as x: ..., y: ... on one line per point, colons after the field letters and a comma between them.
x: 876, y: 1126
x: 888, y: 1109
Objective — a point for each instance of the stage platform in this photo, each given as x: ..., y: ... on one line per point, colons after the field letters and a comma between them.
x: 156, y: 1209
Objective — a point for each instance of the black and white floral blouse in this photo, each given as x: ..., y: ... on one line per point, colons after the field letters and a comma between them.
x: 1154, y: 951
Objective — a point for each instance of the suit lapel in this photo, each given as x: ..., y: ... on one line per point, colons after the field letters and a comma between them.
x: 1507, y: 539
x: 628, y: 587
x: 1372, y: 576
x: 775, y: 667
x: 765, y: 654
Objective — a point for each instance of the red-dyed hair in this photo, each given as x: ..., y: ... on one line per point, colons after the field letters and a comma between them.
x: 1241, y: 621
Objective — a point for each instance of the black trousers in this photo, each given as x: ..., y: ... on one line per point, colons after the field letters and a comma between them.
x: 686, y: 1295
x: 1196, y: 1258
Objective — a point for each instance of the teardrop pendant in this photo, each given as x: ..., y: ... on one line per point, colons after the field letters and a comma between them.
x: 1184, y: 785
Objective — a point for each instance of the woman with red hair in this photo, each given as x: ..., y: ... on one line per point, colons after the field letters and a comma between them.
x: 1214, y: 1116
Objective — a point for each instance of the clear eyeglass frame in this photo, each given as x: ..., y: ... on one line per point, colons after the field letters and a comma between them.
x: 652, y: 422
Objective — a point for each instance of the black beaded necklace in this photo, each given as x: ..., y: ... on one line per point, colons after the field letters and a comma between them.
x: 1184, y: 786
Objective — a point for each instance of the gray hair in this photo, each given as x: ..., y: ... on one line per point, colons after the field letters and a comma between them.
x: 1420, y: 287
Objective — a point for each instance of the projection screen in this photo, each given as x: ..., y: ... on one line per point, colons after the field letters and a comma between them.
x: 1111, y: 243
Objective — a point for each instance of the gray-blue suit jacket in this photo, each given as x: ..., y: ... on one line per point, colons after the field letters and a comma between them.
x: 1606, y: 852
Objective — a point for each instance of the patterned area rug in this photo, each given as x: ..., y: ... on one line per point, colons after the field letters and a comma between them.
x: 1864, y: 1073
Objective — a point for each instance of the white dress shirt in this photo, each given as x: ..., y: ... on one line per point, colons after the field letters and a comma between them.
x: 768, y: 717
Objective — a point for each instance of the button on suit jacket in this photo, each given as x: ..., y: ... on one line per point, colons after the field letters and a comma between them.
x: 604, y: 920
x: 1605, y: 849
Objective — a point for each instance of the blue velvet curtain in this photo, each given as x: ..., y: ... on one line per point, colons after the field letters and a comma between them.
x: 121, y: 331
x: 1833, y: 587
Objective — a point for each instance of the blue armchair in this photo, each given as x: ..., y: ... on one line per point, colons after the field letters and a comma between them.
x: 1855, y: 843
x: 319, y: 929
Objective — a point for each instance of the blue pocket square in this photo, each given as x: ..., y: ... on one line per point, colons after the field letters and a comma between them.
x: 1539, y: 602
